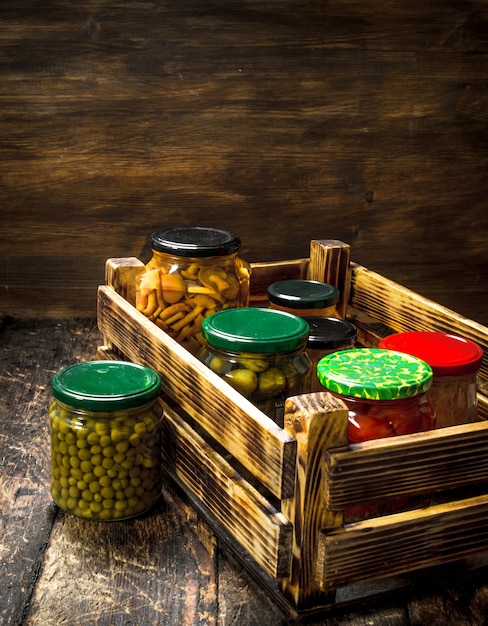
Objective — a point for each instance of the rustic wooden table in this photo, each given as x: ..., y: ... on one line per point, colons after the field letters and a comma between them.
x: 164, y: 568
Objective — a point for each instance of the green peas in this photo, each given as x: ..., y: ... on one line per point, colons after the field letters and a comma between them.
x: 100, y: 462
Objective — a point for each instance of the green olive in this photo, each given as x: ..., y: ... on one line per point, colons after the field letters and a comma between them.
x: 243, y: 380
x: 254, y: 363
x: 271, y: 383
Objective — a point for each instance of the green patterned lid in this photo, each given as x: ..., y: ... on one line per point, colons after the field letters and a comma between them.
x: 374, y: 374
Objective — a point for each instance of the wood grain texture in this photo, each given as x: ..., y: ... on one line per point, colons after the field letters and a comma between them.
x: 394, y: 544
x: 430, y: 462
x: 249, y: 435
x: 282, y: 121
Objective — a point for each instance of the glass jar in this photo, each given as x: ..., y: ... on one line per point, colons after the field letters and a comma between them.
x: 261, y: 353
x: 304, y: 297
x: 327, y: 334
x: 386, y: 396
x: 194, y: 272
x: 105, y: 439
x: 455, y: 362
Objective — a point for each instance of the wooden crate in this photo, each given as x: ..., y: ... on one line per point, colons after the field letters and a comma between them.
x: 277, y: 495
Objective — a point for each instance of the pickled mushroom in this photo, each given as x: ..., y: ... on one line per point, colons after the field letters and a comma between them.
x: 174, y: 288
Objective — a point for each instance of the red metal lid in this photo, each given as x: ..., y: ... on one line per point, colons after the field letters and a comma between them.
x: 448, y: 355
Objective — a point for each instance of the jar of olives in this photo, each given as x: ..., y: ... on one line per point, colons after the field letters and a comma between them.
x: 304, y: 297
x: 194, y: 272
x: 261, y: 353
x: 105, y: 439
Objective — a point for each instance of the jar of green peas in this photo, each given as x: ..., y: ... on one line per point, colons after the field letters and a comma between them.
x: 105, y: 422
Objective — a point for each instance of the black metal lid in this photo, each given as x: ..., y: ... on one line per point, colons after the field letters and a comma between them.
x: 330, y: 332
x: 195, y: 241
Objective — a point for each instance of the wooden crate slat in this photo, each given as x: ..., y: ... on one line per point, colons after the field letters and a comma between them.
x: 403, y: 310
x: 402, y: 542
x: 267, y: 272
x: 249, y: 517
x: 434, y: 461
x: 263, y: 448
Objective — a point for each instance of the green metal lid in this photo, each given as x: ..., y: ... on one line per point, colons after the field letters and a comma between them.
x: 105, y: 385
x: 256, y: 330
x: 303, y: 294
x: 374, y: 374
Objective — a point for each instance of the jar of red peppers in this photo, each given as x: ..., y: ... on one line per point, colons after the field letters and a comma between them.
x: 455, y: 362
x: 194, y: 272
x: 386, y: 396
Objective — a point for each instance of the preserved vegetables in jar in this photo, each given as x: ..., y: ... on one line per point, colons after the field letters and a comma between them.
x: 327, y: 334
x: 385, y: 393
x: 194, y: 272
x: 304, y: 297
x: 455, y: 363
x: 105, y: 439
x: 261, y: 353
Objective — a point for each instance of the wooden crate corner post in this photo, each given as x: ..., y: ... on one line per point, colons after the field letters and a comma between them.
x: 330, y: 263
x: 318, y: 421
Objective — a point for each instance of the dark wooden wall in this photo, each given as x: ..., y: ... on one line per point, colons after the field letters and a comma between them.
x: 281, y: 120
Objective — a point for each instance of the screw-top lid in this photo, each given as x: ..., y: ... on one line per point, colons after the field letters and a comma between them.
x: 256, y: 330
x: 105, y: 385
x: 448, y: 355
x: 374, y: 374
x: 329, y: 333
x: 195, y: 241
x: 303, y: 294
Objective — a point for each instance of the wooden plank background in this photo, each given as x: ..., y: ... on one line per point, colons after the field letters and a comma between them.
x: 283, y: 121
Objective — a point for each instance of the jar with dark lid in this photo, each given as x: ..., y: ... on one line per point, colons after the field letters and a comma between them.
x: 304, y: 297
x: 261, y: 353
x: 105, y: 439
x: 327, y: 334
x: 455, y: 363
x: 194, y: 272
x: 386, y: 395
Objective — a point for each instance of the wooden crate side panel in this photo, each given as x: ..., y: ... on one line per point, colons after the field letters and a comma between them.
x: 265, y: 273
x: 245, y: 514
x: 121, y: 274
x: 402, y: 543
x: 434, y: 461
x: 263, y: 448
x: 401, y: 310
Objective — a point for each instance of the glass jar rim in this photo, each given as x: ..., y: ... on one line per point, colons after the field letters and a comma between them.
x: 195, y: 241
x: 374, y: 374
x: 255, y: 330
x: 105, y: 385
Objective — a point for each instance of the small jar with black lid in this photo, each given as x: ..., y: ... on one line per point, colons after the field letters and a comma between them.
x: 455, y: 362
x: 304, y: 297
x: 194, y: 272
x: 105, y: 439
x: 327, y: 334
x: 261, y: 353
